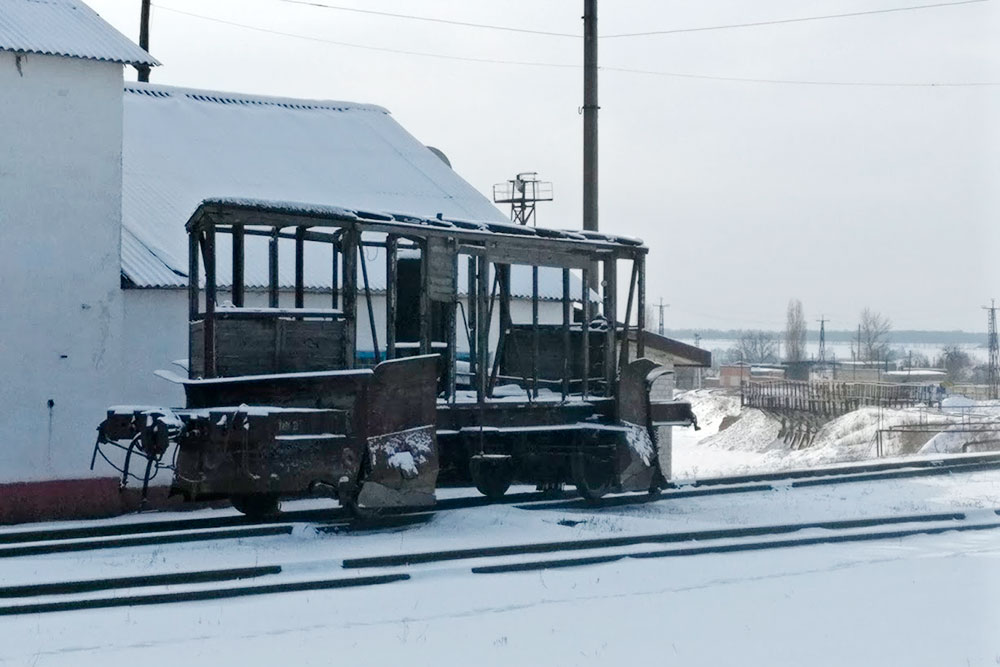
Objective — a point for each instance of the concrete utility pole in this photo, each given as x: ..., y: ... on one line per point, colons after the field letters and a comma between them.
x: 144, y: 39
x: 590, y: 109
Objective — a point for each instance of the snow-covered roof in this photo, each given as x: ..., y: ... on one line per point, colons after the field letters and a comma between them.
x: 65, y: 28
x: 183, y: 146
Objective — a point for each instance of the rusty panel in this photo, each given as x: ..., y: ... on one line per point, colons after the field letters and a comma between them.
x: 310, y: 345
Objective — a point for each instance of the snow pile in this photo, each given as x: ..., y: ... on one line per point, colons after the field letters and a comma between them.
x: 711, y: 406
x: 753, y: 431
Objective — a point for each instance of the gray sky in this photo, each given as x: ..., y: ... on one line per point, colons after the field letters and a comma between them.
x: 748, y: 194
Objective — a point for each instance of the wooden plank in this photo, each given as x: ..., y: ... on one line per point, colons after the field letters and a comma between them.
x: 610, y: 288
x: 272, y: 269
x: 238, y: 256
x: 208, y: 252
x: 300, y: 259
x: 349, y: 280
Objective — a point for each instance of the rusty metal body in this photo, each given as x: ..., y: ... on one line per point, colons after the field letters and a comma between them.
x: 278, y: 402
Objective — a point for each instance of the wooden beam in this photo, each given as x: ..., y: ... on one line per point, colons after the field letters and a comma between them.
x: 208, y: 250
x: 391, y: 295
x: 585, y: 333
x: 567, y: 305
x: 238, y: 257
x: 610, y: 288
x: 425, y: 301
x: 534, y: 331
x: 640, y: 316
x: 272, y: 269
x: 483, y: 329
x: 300, y: 259
x: 349, y: 283
x: 193, y: 271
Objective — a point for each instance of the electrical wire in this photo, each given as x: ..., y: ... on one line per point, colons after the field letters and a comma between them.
x: 429, y: 19
x: 672, y: 31
x: 755, y: 24
x: 526, y: 63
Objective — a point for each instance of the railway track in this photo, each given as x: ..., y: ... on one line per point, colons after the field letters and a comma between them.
x: 21, y: 543
x: 273, y: 579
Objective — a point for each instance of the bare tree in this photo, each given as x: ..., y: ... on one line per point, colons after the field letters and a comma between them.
x: 795, y: 332
x: 755, y: 346
x: 956, y: 362
x: 874, y: 338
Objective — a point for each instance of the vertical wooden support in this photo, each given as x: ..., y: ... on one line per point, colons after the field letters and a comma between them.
x: 473, y: 315
x: 272, y: 269
x: 391, y: 295
x: 451, y: 324
x: 425, y: 300
x: 193, y: 271
x: 335, y: 274
x: 349, y: 280
x: 534, y: 331
x: 623, y: 358
x: 300, y: 252
x: 640, y: 315
x: 567, y: 308
x: 503, y: 320
x: 610, y: 287
x: 238, y: 255
x: 208, y: 250
x: 585, y: 333
x: 371, y: 306
x: 483, y: 328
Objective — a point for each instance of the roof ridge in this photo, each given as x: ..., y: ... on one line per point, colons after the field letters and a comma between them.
x: 248, y: 99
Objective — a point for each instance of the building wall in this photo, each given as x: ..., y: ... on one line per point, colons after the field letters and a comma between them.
x: 60, y: 213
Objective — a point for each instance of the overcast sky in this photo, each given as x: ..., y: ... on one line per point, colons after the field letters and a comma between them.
x: 748, y: 193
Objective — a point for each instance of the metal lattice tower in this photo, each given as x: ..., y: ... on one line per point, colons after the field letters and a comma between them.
x: 994, y: 363
x: 661, y: 306
x: 522, y: 192
x: 822, y: 338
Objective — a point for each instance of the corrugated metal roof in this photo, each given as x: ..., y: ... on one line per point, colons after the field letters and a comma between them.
x: 65, y: 28
x: 182, y: 146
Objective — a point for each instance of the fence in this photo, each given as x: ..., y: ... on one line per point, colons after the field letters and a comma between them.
x: 832, y: 399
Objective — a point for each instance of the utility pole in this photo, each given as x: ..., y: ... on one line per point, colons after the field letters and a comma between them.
x: 822, y: 338
x: 144, y: 39
x: 661, y: 306
x: 994, y: 363
x: 590, y: 109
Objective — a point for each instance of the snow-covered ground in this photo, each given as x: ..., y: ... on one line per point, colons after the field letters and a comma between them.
x: 750, y: 438
x: 925, y: 600
x: 920, y: 600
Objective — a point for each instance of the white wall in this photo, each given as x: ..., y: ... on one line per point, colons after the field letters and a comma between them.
x: 60, y: 220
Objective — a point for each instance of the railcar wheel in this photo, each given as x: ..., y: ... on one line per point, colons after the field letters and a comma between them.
x: 492, y: 476
x: 257, y: 505
x: 591, y: 476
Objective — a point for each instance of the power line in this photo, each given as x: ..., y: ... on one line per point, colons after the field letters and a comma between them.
x: 527, y: 63
x: 801, y: 19
x: 672, y: 31
x: 429, y: 19
x: 807, y: 82
x: 424, y: 54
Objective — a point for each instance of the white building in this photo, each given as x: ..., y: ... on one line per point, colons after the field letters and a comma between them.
x: 95, y: 188
x: 60, y: 219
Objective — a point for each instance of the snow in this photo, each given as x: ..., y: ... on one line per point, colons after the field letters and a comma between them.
x: 923, y: 600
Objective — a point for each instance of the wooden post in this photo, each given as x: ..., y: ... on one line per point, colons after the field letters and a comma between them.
x: 391, y: 295
x: 272, y: 268
x: 238, y: 255
x: 425, y: 299
x: 300, y: 242
x: 610, y: 287
x: 334, y: 274
x: 209, y: 256
x: 193, y: 274
x: 567, y: 308
x: 143, y: 39
x: 349, y: 282
x: 585, y: 334
x: 473, y: 314
x: 623, y: 359
x: 640, y: 345
x: 534, y: 331
x: 483, y: 330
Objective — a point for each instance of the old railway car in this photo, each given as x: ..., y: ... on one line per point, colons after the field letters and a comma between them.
x: 281, y: 403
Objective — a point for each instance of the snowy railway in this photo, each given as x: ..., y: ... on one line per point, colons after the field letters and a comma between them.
x: 34, y: 542
x: 72, y: 595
